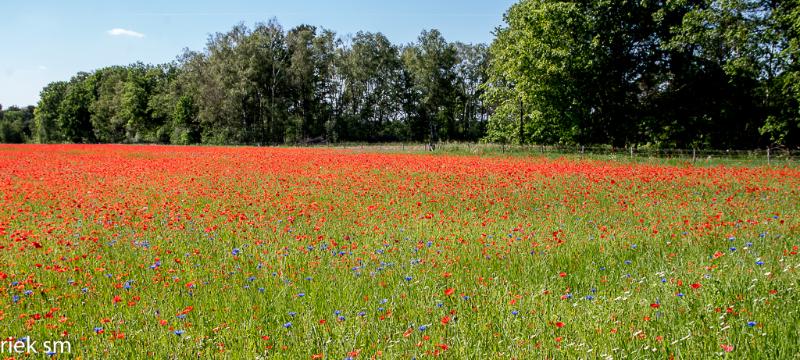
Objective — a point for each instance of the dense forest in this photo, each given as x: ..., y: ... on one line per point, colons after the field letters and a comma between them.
x: 685, y: 73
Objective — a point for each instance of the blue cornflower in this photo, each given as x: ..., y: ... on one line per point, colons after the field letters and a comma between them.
x: 514, y: 312
x: 287, y: 325
x: 236, y: 252
x: 98, y: 330
x: 292, y: 313
x: 423, y: 327
x: 178, y: 332
x: 301, y: 294
x: 751, y: 323
x: 589, y: 297
x: 408, y: 278
x: 362, y: 314
x: 759, y: 263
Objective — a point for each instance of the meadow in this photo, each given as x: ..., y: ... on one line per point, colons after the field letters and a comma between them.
x: 182, y: 252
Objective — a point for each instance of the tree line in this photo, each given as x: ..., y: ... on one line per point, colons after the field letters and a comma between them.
x: 661, y: 73
x: 266, y: 85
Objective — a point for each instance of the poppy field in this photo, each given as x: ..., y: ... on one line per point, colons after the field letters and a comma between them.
x: 177, y: 252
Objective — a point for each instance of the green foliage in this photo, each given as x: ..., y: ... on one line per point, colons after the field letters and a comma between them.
x: 46, y: 125
x: 270, y: 86
x: 73, y: 112
x: 686, y: 73
x: 432, y: 66
x: 374, y: 79
x: 106, y: 119
x: 16, y: 124
x: 186, y: 127
x: 666, y: 73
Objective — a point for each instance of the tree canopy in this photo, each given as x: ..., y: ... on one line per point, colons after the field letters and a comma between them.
x: 683, y: 73
x: 267, y: 85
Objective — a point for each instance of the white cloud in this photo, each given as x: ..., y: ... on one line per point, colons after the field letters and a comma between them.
x: 125, y: 32
x: 42, y: 68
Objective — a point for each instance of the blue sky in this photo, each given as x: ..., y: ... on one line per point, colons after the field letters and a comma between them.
x: 49, y: 40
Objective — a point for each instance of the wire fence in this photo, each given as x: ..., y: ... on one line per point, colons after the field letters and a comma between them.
x: 773, y: 155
